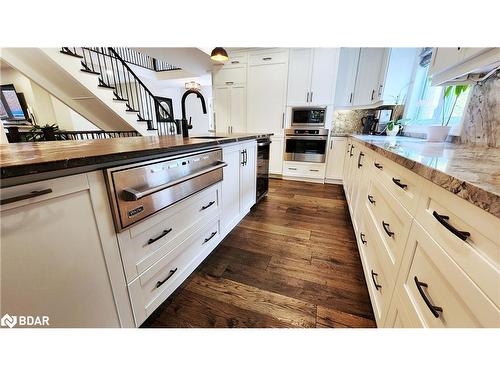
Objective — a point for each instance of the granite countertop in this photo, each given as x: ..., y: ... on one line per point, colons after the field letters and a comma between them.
x: 32, y: 161
x: 470, y: 172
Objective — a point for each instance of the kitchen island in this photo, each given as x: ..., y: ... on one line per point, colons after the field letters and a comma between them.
x: 66, y: 255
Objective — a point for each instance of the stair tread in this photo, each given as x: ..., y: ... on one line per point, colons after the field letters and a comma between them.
x: 90, y: 71
x: 108, y: 87
x: 120, y: 100
x: 69, y: 53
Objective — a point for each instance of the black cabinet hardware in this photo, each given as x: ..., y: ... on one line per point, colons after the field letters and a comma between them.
x: 292, y: 169
x: 210, y: 237
x: 267, y: 58
x: 359, y: 159
x: 443, y: 220
x: 243, y: 157
x: 163, y: 234
x: 377, y: 286
x: 208, y: 205
x: 362, y: 236
x: 350, y: 98
x: 379, y: 166
x: 33, y: 194
x: 350, y: 152
x: 170, y: 274
x: 348, y: 147
x: 313, y: 170
x: 235, y: 62
x: 386, y: 228
x: 398, y: 182
x: 370, y: 198
x: 435, y: 310
x: 373, y: 93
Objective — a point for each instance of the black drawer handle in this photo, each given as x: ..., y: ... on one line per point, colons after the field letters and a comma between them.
x: 386, y: 228
x: 377, y: 286
x: 398, y: 182
x: 443, y: 220
x: 370, y: 198
x: 33, y: 194
x: 362, y: 236
x: 379, y: 166
x: 163, y: 234
x: 208, y: 205
x: 313, y: 170
x: 348, y: 148
x: 209, y: 238
x: 350, y: 152
x: 359, y: 159
x: 170, y: 274
x: 435, y: 310
x: 267, y: 58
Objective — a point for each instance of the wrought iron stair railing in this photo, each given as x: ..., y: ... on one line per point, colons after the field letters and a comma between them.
x: 14, y: 135
x: 115, y: 74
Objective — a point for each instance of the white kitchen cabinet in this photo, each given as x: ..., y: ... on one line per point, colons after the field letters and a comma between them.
x: 276, y: 156
x: 239, y: 183
x: 346, y: 77
x: 311, y: 76
x: 59, y: 254
x: 444, y: 58
x: 335, y: 158
x: 266, y: 93
x: 370, y: 64
x: 230, y: 108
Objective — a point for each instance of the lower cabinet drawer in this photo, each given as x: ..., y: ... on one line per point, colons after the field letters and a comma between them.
x: 305, y: 170
x: 150, y: 289
x: 145, y: 243
x: 437, y: 292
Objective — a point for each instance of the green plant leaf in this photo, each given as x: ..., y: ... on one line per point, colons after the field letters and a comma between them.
x: 447, y: 91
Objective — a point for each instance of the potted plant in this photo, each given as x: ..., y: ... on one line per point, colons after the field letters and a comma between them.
x: 439, y: 133
x: 393, y: 127
x: 43, y: 133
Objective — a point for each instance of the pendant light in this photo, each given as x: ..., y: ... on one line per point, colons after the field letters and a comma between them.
x: 219, y: 54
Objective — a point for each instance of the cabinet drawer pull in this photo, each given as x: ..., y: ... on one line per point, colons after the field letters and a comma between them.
x: 229, y: 83
x: 208, y: 205
x: 370, y: 198
x: 163, y: 234
x: 33, y: 194
x: 292, y: 169
x: 350, y: 98
x: 359, y: 159
x: 267, y: 58
x: 348, y: 147
x: 398, y: 182
x: 350, y: 152
x: 377, y: 286
x: 235, y: 62
x: 386, y: 228
x: 362, y: 236
x: 373, y: 93
x: 435, y: 310
x: 443, y: 220
x: 210, y: 237
x: 170, y: 274
x: 313, y: 170
x: 379, y: 166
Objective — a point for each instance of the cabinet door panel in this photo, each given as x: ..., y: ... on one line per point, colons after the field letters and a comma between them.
x: 230, y: 189
x: 336, y: 155
x: 367, y: 80
x: 238, y: 105
x: 248, y: 177
x: 324, y: 72
x: 444, y: 58
x: 276, y: 156
x: 266, y: 98
x: 222, y: 108
x: 299, y: 77
x: 346, y: 78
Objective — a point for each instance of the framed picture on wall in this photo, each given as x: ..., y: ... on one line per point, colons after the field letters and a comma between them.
x: 164, y: 109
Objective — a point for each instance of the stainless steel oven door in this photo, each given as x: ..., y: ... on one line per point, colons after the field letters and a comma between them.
x: 305, y: 148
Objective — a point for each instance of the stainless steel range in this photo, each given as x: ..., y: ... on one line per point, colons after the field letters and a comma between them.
x: 139, y: 190
x: 307, y: 145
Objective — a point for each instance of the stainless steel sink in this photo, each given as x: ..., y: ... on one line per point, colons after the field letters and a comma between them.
x: 208, y: 137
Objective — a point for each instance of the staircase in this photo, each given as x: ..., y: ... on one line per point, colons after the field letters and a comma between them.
x: 99, y: 84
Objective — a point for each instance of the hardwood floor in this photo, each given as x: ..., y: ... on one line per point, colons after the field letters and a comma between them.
x: 292, y: 262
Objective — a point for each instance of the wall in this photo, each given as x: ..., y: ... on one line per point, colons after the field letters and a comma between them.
x: 481, y: 123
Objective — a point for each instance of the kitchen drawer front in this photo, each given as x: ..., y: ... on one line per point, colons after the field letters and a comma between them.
x: 391, y: 222
x: 479, y: 254
x: 405, y: 185
x: 379, y: 288
x: 144, y: 244
x: 268, y: 58
x: 437, y: 291
x: 306, y: 170
x: 229, y: 76
x: 149, y: 290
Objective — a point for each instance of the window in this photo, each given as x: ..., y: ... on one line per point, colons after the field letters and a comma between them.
x: 426, y: 104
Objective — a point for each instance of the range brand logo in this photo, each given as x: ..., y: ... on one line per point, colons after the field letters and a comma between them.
x: 8, y: 321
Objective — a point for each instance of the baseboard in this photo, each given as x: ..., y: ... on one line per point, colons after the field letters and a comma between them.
x: 334, y: 181
x: 304, y: 179
x: 276, y: 176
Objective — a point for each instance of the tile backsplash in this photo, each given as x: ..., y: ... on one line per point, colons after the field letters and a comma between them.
x: 349, y: 121
x: 481, y: 124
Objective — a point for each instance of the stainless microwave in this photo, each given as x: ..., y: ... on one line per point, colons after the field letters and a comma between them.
x: 308, y: 117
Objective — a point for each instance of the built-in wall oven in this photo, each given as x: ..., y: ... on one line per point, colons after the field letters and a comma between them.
x: 307, y: 145
x: 308, y: 117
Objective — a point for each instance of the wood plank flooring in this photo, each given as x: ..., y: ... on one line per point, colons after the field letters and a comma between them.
x: 292, y: 262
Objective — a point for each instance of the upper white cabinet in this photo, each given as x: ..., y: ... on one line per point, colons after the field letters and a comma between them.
x: 311, y: 76
x: 452, y: 65
x: 371, y: 77
x: 230, y: 108
x: 266, y: 92
x: 346, y: 78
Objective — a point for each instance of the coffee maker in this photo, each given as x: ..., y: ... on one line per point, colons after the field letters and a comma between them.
x: 369, y: 123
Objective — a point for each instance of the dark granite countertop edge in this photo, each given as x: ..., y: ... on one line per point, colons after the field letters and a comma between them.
x: 91, y: 163
x: 484, y: 199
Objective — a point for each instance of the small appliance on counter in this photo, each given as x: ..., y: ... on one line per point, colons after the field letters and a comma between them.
x: 376, y: 123
x: 369, y: 123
